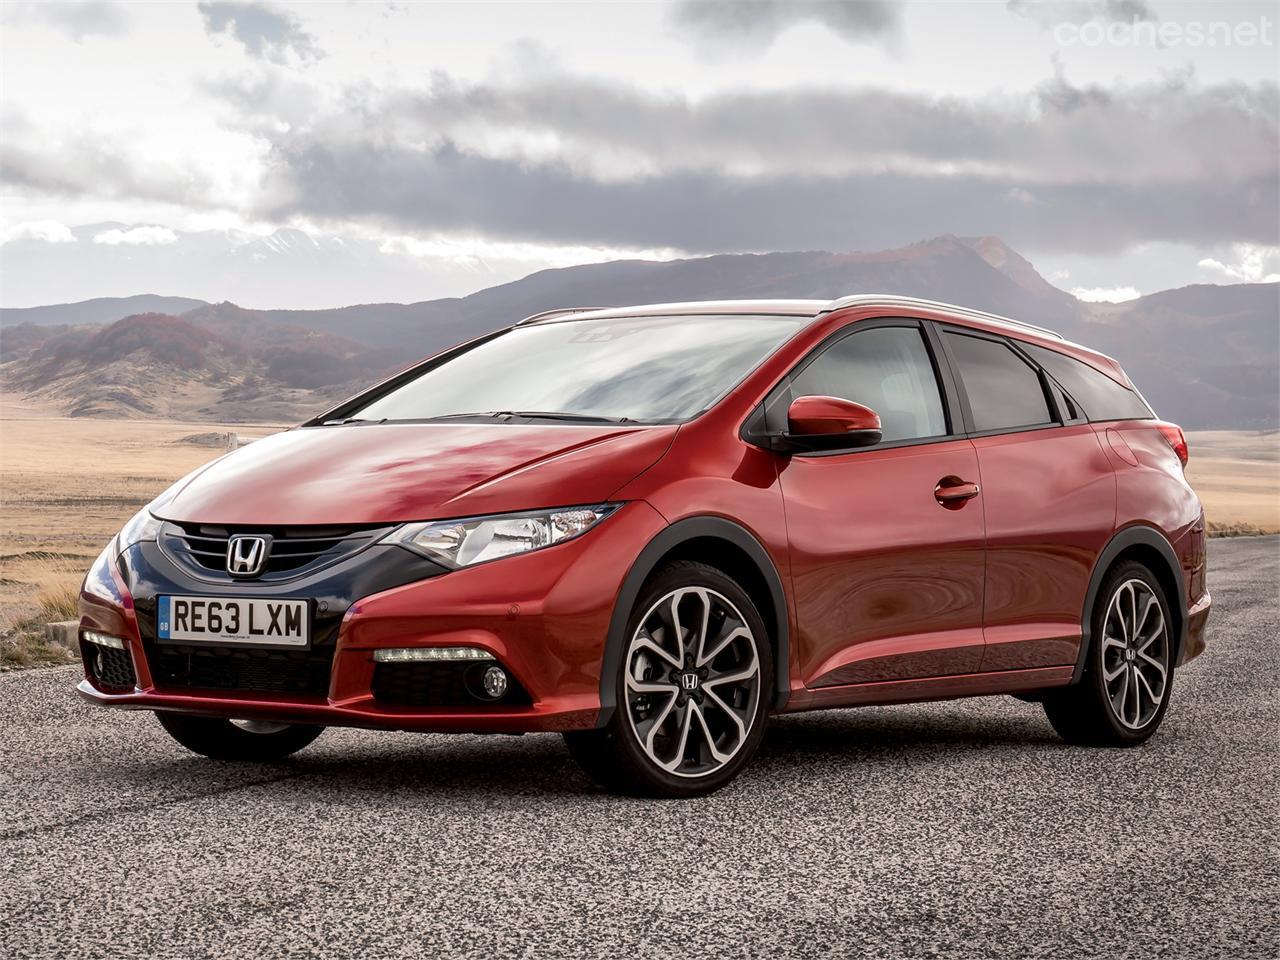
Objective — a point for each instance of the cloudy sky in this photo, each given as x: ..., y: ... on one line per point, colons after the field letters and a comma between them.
x: 318, y: 154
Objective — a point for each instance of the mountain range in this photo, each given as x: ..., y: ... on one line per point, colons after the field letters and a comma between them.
x: 1204, y: 355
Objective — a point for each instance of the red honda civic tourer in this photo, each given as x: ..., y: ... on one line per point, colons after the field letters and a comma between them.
x: 649, y: 529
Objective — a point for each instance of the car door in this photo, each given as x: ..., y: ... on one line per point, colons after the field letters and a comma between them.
x: 886, y: 541
x: 1049, y: 495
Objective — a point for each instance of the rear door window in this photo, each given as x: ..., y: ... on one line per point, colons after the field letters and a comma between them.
x: 1005, y: 392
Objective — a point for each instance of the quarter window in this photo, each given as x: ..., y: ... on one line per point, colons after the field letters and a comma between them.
x: 887, y: 369
x: 1004, y: 390
x: 1101, y: 397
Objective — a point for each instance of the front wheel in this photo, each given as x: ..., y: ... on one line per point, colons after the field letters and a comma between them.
x: 251, y: 740
x: 692, y: 689
x: 1128, y: 675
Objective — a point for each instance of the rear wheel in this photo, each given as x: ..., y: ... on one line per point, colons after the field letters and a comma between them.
x: 252, y: 740
x: 1128, y: 676
x: 692, y: 689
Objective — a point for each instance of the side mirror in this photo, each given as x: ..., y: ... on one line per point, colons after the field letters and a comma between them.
x: 826, y: 423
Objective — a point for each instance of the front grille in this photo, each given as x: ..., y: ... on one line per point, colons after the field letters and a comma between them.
x: 304, y: 672
x: 293, y: 550
x: 439, y: 684
x: 110, y: 669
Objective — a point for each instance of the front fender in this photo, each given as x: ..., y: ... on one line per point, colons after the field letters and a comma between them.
x: 665, y: 543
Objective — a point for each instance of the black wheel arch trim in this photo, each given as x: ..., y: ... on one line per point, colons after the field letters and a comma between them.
x: 671, y: 537
x: 1136, y: 535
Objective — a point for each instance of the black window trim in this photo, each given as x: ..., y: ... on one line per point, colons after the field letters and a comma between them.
x: 770, y: 416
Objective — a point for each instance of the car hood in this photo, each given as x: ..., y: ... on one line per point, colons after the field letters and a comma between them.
x: 392, y: 473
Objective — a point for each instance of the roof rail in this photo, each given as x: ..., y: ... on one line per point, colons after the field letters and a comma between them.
x: 854, y: 300
x: 559, y: 312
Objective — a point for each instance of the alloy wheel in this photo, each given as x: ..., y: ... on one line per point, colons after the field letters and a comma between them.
x: 1135, y: 654
x: 692, y: 682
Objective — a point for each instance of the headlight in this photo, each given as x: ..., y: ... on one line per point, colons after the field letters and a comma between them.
x: 460, y: 543
x: 98, y: 582
x: 142, y: 526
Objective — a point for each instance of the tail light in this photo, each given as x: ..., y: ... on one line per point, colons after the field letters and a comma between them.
x: 1177, y: 439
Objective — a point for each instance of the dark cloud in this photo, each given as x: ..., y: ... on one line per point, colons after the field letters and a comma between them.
x: 755, y: 23
x: 448, y: 190
x: 1048, y: 13
x: 263, y: 31
x: 78, y: 18
x: 1086, y: 169
x: 1171, y: 131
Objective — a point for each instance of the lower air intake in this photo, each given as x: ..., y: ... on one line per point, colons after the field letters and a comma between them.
x: 440, y: 684
x: 109, y: 668
x: 299, y: 672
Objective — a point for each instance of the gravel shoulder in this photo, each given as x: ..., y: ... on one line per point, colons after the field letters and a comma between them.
x: 952, y: 830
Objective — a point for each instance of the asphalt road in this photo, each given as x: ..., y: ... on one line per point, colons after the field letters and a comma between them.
x: 961, y: 829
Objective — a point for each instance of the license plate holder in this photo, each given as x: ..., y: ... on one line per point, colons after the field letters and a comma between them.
x: 283, y: 622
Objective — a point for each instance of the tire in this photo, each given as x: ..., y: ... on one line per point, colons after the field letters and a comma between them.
x: 692, y: 703
x: 247, y: 740
x: 1124, y: 691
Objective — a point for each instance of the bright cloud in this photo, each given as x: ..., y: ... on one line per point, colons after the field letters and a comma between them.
x: 50, y: 231
x: 1254, y: 264
x: 475, y: 251
x: 149, y: 236
x: 1105, y: 294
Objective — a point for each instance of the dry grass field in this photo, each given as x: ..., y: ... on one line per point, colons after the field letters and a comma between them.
x: 1237, y: 474
x: 66, y: 486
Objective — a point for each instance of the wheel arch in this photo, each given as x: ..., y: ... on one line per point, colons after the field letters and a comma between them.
x: 1153, y: 550
x: 728, y: 547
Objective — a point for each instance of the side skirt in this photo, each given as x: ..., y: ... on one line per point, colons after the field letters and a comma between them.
x: 930, y: 688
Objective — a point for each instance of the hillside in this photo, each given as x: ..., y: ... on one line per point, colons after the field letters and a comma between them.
x: 1204, y: 355
x: 228, y: 367
x: 947, y: 268
x: 98, y: 310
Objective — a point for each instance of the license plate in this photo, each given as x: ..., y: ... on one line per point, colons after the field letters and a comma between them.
x: 277, y: 623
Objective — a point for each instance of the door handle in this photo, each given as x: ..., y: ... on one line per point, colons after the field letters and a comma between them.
x: 953, y: 492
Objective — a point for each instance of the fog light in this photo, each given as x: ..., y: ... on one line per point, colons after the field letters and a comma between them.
x: 495, y: 682
x: 102, y: 639
x: 412, y: 654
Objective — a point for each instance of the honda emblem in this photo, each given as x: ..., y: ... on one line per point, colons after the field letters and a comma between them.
x: 246, y: 556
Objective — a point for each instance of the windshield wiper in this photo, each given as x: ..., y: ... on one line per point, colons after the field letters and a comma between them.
x: 339, y: 423
x: 573, y: 417
x: 534, y: 415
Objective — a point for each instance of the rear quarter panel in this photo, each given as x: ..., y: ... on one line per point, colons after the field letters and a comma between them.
x: 1152, y: 489
x: 1150, y: 485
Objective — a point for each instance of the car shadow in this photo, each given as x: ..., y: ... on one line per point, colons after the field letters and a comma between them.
x: 538, y: 765
x: 866, y: 733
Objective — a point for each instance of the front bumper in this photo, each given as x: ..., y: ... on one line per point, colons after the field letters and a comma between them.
x: 543, y: 616
x: 558, y: 713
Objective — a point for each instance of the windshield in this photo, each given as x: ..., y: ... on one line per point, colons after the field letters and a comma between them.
x: 634, y: 368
